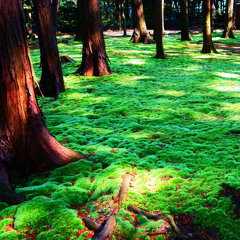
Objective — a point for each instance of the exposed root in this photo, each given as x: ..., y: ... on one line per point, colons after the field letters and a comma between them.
x: 156, y: 217
x: 106, y: 230
x: 144, y: 38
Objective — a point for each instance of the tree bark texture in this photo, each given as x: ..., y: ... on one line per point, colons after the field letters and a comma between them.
x: 208, y: 46
x: 79, y: 27
x: 159, y: 5
x: 123, y: 18
x: 228, y: 20
x: 185, y: 34
x: 55, y: 6
x: 25, y: 142
x: 234, y: 14
x: 94, y: 56
x: 142, y: 35
x: 51, y: 83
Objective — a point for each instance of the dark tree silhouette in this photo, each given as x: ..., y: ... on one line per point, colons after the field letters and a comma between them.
x: 140, y: 35
x: 228, y: 20
x: 79, y: 27
x: 51, y: 83
x: 208, y: 46
x: 25, y: 142
x: 94, y: 56
x: 185, y: 34
x: 158, y: 18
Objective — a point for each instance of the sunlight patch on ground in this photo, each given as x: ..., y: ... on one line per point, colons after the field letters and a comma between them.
x: 228, y: 75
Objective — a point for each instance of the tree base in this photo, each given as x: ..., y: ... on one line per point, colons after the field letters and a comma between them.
x: 144, y: 38
x: 209, y: 48
x: 228, y: 34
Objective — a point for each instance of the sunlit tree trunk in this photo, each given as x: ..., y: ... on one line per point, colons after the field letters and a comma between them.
x: 208, y: 46
x: 228, y: 20
x: 51, y: 83
x: 79, y: 27
x: 25, y: 143
x: 234, y: 14
x: 94, y: 56
x: 185, y: 34
x: 159, y: 5
x: 141, y: 35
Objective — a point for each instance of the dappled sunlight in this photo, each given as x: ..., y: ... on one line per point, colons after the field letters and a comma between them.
x: 228, y: 75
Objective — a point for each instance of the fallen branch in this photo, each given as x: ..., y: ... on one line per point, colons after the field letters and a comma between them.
x: 156, y: 217
x: 124, y: 188
x: 108, y: 229
x: 92, y: 225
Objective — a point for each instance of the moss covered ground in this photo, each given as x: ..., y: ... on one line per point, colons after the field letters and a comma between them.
x: 167, y: 122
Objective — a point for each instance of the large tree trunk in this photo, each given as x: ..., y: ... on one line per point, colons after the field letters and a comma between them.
x: 79, y: 27
x: 208, y: 46
x: 51, y: 83
x: 234, y: 14
x: 228, y: 20
x: 25, y: 142
x: 55, y: 6
x: 141, y: 35
x: 159, y: 5
x: 94, y: 56
x: 185, y: 34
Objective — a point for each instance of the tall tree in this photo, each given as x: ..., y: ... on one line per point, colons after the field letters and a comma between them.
x: 55, y: 6
x: 212, y: 15
x: 79, y: 27
x: 51, y: 83
x: 158, y: 32
x: 123, y: 18
x: 25, y: 142
x: 208, y: 46
x: 228, y: 20
x: 185, y: 34
x: 141, y: 35
x: 94, y: 56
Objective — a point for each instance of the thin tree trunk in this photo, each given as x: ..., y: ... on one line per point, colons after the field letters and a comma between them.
x: 123, y: 18
x: 25, y: 142
x: 142, y: 35
x: 79, y: 28
x: 94, y: 56
x: 212, y: 15
x: 228, y: 20
x: 234, y: 14
x: 29, y: 18
x: 159, y: 5
x: 208, y: 46
x: 185, y: 34
x: 51, y: 83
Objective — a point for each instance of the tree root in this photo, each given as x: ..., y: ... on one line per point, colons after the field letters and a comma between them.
x: 234, y: 132
x: 106, y: 229
x: 145, y: 38
x: 156, y: 217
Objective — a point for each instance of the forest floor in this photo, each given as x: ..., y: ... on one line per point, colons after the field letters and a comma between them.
x: 170, y: 124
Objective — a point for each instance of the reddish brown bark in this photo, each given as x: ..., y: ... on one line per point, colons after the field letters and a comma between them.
x: 51, y: 83
x: 141, y: 35
x: 208, y: 46
x: 158, y: 33
x: 94, y: 56
x: 25, y: 142
x: 185, y: 34
x: 228, y: 20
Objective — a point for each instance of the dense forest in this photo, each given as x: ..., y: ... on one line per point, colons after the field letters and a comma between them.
x: 119, y: 119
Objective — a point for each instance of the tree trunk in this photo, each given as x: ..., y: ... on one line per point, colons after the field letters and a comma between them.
x: 94, y: 56
x: 28, y: 17
x: 25, y: 142
x: 123, y: 18
x: 185, y: 34
x: 51, y: 83
x: 234, y: 14
x: 228, y: 20
x: 208, y: 46
x: 142, y: 35
x: 55, y: 6
x: 159, y: 5
x: 212, y: 15
x: 79, y: 28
